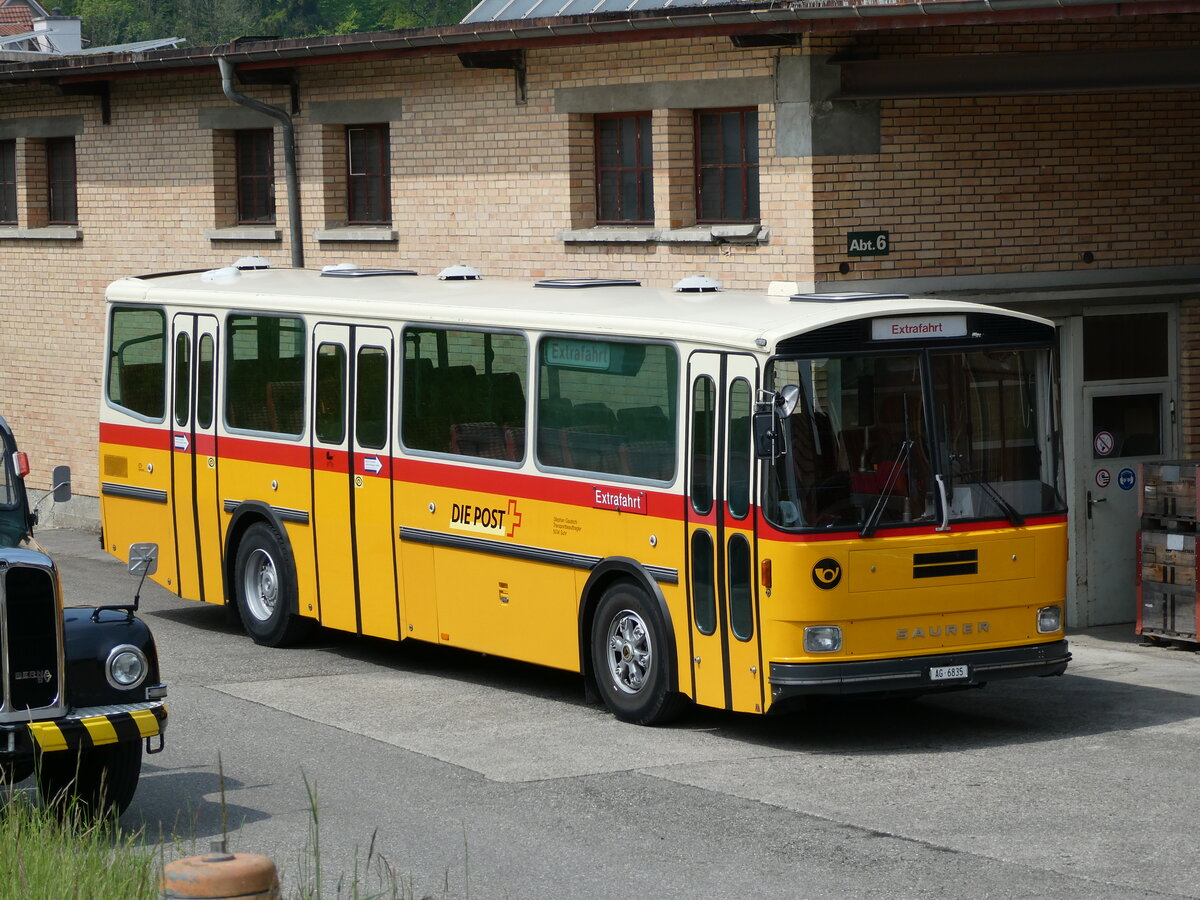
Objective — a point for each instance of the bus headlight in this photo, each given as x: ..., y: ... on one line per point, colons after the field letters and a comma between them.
x: 1049, y: 619
x: 822, y: 639
x: 126, y: 667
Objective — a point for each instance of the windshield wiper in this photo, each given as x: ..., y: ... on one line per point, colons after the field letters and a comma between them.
x: 1014, y: 517
x: 889, y: 485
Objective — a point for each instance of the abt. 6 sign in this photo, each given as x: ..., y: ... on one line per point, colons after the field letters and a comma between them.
x: 867, y: 243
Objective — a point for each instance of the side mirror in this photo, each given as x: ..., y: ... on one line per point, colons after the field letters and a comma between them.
x: 765, y: 436
x: 787, y: 400
x: 143, y: 562
x: 60, y: 480
x: 768, y: 421
x: 143, y: 559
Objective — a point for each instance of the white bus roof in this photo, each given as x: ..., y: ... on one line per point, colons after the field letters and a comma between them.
x: 740, y: 321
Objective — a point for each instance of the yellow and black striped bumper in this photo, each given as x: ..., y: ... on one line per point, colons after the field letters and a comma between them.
x: 99, y: 725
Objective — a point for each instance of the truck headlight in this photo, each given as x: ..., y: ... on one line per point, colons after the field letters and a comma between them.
x: 1049, y: 619
x: 822, y: 639
x: 126, y: 667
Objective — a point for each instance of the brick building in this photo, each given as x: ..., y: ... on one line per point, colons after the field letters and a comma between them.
x: 1041, y: 155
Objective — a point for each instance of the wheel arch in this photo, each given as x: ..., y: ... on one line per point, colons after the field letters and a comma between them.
x: 252, y: 512
x: 603, y: 575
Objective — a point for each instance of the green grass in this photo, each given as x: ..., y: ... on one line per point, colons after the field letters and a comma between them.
x: 43, y: 858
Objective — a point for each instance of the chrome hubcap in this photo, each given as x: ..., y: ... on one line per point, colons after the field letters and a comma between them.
x: 629, y: 652
x: 260, y: 582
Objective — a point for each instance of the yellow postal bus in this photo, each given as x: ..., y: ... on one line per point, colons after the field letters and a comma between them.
x: 737, y: 499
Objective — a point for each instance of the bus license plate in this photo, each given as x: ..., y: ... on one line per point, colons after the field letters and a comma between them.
x: 949, y: 673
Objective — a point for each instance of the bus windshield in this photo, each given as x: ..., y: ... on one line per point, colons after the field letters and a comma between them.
x: 916, y: 437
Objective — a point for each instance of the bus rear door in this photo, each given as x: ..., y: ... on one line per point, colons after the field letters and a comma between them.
x: 352, y: 474
x: 196, y: 505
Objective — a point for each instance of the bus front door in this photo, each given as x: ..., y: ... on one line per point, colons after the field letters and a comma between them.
x: 726, y: 658
x: 196, y: 505
x: 352, y: 475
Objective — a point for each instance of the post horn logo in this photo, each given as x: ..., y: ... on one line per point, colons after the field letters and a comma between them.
x: 827, y: 573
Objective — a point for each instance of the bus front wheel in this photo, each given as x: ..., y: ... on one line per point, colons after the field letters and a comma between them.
x: 265, y: 585
x: 630, y: 658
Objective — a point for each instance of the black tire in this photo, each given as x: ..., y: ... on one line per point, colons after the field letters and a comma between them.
x: 92, y: 783
x: 15, y: 772
x: 630, y: 657
x: 264, y: 583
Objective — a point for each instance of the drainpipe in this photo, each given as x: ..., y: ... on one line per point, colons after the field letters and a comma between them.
x: 289, y: 155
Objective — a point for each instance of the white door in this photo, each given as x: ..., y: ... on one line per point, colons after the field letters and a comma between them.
x: 1127, y: 416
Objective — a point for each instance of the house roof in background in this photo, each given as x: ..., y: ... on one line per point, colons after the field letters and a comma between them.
x: 510, y: 10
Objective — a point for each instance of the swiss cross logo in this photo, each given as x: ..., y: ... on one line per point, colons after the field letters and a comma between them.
x: 514, y: 518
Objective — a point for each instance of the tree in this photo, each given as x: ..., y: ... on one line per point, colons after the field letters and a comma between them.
x: 209, y: 22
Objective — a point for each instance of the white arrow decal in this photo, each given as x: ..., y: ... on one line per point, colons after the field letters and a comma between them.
x: 181, y: 442
x: 373, y: 465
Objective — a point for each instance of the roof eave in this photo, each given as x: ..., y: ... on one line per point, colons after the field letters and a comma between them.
x: 800, y: 16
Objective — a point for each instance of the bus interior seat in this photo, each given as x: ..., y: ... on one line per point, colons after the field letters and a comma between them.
x: 554, y: 412
x: 514, y: 442
x: 503, y: 397
x: 285, y: 406
x: 249, y: 412
x: 644, y: 423
x: 648, y: 459
x: 485, y: 439
x: 594, y: 417
x: 585, y: 448
x: 142, y: 387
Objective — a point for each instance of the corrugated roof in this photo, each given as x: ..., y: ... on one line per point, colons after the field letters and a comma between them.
x: 511, y: 10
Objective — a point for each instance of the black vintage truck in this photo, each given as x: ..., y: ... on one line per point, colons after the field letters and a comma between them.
x: 80, y: 691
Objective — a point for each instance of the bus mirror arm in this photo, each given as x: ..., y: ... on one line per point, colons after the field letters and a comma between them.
x: 143, y: 561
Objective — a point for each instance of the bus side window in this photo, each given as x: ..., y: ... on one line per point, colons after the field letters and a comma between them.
x: 608, y: 407
x: 464, y: 393
x: 265, y: 375
x: 137, y: 361
x: 370, y: 405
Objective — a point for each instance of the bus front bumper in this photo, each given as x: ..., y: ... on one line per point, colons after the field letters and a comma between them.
x: 916, y: 674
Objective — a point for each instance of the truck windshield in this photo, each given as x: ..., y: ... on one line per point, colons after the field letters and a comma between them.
x: 873, y: 435
x: 12, y: 513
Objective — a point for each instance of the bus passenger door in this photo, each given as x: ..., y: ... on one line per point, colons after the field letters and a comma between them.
x: 352, y: 467
x: 332, y: 530
x: 371, y: 494
x: 196, y: 507
x: 726, y: 664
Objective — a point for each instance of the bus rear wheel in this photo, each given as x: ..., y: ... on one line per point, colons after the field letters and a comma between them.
x: 264, y: 581
x: 630, y: 658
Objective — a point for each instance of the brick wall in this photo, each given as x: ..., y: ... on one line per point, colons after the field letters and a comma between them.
x: 966, y: 187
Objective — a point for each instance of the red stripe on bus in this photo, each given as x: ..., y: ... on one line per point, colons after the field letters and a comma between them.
x: 579, y: 491
x: 136, y: 436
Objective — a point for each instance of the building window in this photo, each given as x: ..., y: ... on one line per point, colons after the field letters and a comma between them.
x: 8, y: 182
x: 727, y: 165
x: 367, y: 179
x: 60, y: 168
x: 624, y: 173
x: 255, y: 156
